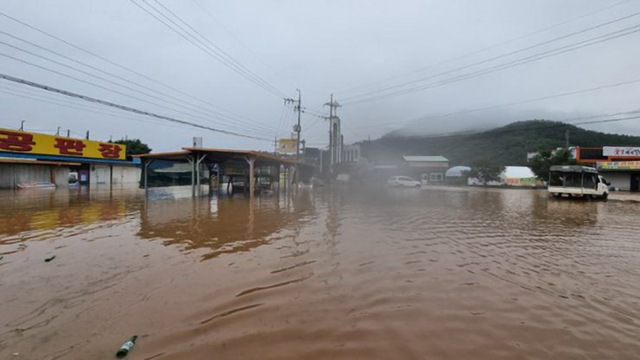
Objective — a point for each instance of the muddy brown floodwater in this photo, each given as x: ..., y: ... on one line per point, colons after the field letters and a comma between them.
x: 324, y: 274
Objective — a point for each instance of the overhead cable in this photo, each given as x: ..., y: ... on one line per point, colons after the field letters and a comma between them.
x: 212, y: 50
x: 240, y: 41
x: 123, y: 107
x: 498, y: 44
x: 177, y: 102
x: 109, y: 89
x: 520, y: 102
x: 401, y: 90
x: 122, y: 67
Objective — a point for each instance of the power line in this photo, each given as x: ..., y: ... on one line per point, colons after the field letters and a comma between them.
x: 281, y: 117
x: 571, y: 47
x: 224, y: 55
x: 100, y: 78
x: 212, y: 50
x: 83, y: 108
x: 522, y: 61
x: 179, y: 101
x: 122, y: 67
x: 498, y: 56
x: 606, y: 121
x: 564, y: 124
x: 240, y: 41
x: 520, y: 102
x: 73, y: 105
x: 123, y: 107
x: 106, y: 88
x: 498, y: 44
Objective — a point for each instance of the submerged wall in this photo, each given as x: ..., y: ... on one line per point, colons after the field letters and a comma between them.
x: 13, y: 174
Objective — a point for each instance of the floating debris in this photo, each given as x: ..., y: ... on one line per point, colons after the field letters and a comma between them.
x: 126, y: 347
x: 49, y: 258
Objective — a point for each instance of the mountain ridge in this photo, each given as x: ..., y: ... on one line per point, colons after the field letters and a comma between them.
x: 506, y: 145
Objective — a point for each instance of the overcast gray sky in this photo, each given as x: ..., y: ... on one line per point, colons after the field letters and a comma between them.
x: 422, y: 66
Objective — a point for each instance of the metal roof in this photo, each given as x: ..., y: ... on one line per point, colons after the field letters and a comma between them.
x: 36, y: 162
x: 222, y: 155
x: 456, y: 171
x: 437, y: 158
x: 70, y: 160
x: 517, y: 172
x: 164, y: 155
x: 573, y: 168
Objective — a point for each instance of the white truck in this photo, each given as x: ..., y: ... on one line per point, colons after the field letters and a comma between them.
x: 575, y: 181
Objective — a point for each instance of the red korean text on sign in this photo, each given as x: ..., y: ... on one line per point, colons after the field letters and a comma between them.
x: 16, y: 141
x: 110, y: 151
x: 69, y: 146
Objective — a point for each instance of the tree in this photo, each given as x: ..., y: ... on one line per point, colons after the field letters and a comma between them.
x: 485, y: 171
x: 134, y: 146
x: 541, y: 163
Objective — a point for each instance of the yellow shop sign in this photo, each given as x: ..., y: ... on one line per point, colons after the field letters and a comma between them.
x: 42, y: 144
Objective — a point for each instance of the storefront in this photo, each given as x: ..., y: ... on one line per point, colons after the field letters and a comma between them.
x: 623, y: 175
x: 620, y: 165
x: 33, y: 158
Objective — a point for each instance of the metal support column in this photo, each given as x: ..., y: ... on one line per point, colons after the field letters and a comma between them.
x: 252, y: 180
x: 286, y: 177
x: 199, y: 159
x: 192, y: 161
x: 145, y: 169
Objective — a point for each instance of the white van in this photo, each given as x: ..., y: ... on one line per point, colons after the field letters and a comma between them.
x: 576, y: 181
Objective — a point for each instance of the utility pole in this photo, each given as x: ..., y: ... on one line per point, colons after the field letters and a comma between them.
x: 298, y: 128
x: 87, y: 137
x: 22, y: 125
x: 333, y: 134
x: 566, y: 138
x: 297, y: 107
x: 58, y: 131
x: 275, y: 145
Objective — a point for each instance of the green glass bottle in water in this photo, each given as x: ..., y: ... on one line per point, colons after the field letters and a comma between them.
x: 126, y: 347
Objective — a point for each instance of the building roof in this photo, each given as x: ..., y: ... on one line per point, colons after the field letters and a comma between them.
x: 4, y: 160
x: 223, y: 155
x: 517, y: 172
x: 573, y: 168
x: 457, y: 171
x: 164, y: 155
x: 69, y: 160
x: 437, y: 158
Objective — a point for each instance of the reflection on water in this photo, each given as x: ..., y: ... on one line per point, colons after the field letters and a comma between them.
x: 224, y: 225
x: 333, y: 273
x: 41, y: 214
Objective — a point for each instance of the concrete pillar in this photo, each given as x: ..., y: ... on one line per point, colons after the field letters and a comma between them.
x: 192, y: 161
x: 199, y: 160
x: 252, y: 180
x: 145, y: 171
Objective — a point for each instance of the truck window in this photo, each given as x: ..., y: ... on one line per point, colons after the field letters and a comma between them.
x: 590, y: 181
x: 556, y: 179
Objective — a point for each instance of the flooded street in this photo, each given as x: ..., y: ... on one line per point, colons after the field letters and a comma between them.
x: 324, y: 274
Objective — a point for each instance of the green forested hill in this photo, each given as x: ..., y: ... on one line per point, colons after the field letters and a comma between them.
x: 507, y: 145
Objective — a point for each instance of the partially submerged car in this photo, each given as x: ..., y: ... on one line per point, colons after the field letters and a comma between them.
x: 403, y: 181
